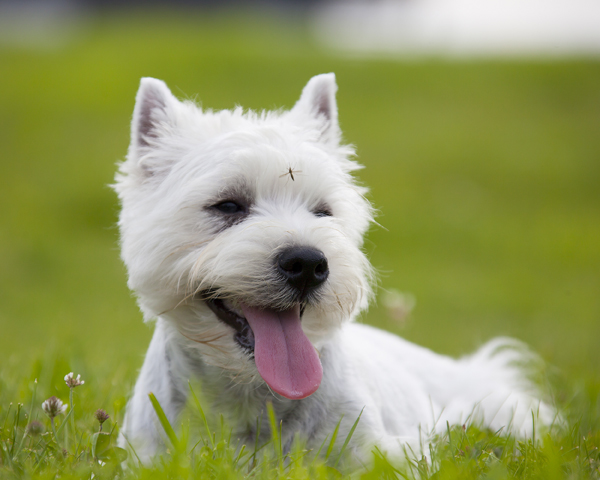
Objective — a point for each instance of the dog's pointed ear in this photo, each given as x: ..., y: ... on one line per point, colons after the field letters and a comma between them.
x: 318, y: 102
x: 154, y: 109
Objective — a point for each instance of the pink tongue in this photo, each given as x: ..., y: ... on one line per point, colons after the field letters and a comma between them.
x: 285, y: 358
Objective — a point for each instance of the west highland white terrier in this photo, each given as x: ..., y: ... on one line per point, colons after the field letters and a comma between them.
x: 242, y: 233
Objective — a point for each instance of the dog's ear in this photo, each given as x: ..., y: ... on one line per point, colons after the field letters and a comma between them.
x: 318, y: 102
x: 155, y: 111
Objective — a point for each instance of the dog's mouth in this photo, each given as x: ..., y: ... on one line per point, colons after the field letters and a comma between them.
x: 285, y: 358
x: 232, y: 316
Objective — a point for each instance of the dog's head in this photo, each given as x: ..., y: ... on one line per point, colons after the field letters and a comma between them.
x: 245, y: 230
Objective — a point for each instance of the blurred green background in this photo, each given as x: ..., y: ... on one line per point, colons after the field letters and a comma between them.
x: 485, y: 175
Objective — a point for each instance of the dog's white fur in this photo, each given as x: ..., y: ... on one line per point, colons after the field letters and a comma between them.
x: 287, y: 165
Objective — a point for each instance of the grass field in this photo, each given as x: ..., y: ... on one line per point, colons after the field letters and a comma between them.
x: 485, y: 174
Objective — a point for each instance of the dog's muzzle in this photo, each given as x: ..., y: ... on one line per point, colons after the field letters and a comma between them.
x: 302, y: 270
x: 284, y: 356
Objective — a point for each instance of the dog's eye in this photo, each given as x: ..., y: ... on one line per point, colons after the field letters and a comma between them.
x: 228, y: 207
x: 322, y: 212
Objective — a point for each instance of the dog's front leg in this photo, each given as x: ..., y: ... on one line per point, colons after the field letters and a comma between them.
x: 164, y: 374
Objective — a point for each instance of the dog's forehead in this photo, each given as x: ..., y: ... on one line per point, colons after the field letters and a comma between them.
x: 268, y: 155
x: 271, y: 170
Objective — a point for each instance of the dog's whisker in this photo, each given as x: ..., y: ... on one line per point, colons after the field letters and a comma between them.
x: 205, y: 341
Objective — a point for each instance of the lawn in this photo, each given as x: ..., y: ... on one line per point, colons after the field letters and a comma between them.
x: 485, y: 176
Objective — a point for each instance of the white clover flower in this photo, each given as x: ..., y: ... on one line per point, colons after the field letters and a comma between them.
x: 53, y: 407
x: 73, y: 382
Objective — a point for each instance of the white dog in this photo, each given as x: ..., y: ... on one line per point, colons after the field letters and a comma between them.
x: 242, y: 235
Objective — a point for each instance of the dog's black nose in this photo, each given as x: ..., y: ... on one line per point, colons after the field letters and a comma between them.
x: 304, y: 268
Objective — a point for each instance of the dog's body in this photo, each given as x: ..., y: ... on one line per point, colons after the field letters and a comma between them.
x: 242, y: 235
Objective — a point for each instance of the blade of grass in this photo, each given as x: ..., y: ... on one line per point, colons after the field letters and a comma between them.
x: 63, y: 423
x: 72, y: 416
x: 196, y: 444
x: 55, y: 433
x: 275, y: 432
x: 133, y: 450
x: 252, y: 457
x: 30, y: 418
x: 16, y: 428
x: 349, y: 437
x: 449, y: 438
x: 319, y: 450
x: 239, y: 456
x: 387, y: 464
x: 333, y: 438
x: 6, y: 417
x: 42, y: 456
x: 164, y: 421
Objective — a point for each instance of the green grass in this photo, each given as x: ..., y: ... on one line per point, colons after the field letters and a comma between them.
x: 485, y: 175
x: 203, y: 447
